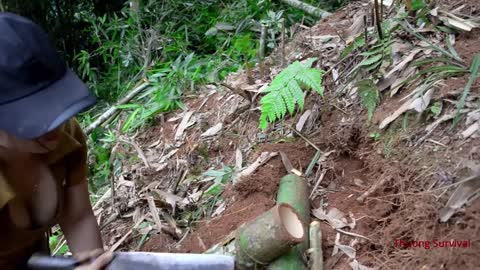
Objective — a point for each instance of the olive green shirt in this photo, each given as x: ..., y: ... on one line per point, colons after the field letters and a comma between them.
x: 68, y: 163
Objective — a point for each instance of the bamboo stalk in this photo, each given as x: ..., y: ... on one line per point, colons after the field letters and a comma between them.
x: 316, y: 246
x: 263, y: 38
x: 112, y: 110
x: 269, y: 236
x: 309, y: 9
x: 293, y: 190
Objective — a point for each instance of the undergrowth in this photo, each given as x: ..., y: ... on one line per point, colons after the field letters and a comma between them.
x: 175, y: 46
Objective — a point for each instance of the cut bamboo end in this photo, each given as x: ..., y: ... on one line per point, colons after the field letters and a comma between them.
x: 293, y: 190
x: 269, y: 236
x: 291, y: 221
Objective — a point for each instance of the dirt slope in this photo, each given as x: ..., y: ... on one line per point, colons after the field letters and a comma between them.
x: 415, y: 177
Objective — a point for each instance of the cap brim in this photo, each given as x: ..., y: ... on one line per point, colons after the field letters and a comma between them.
x: 37, y: 114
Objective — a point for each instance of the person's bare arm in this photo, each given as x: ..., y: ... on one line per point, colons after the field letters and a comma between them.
x: 78, y: 222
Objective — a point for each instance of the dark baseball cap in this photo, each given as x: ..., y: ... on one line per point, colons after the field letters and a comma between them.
x: 38, y: 92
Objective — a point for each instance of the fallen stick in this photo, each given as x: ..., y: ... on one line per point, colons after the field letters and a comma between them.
x: 119, y: 242
x: 372, y: 189
x: 353, y: 234
x: 138, y: 149
x: 102, y: 118
x: 154, y: 213
x: 105, y: 195
x: 320, y: 179
x: 309, y: 9
x: 307, y: 140
x: 316, y: 252
x: 262, y: 159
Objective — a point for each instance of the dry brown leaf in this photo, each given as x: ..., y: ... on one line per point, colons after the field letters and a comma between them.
x: 357, y: 266
x: 212, y: 131
x: 356, y: 28
x: 183, y: 125
x: 408, y: 73
x: 418, y: 104
x: 334, y: 217
x: 348, y: 250
x: 470, y: 187
x: 220, y: 209
x: 302, y: 120
x: 456, y: 22
x: 238, y: 159
x: 154, y: 213
x: 471, y: 131
x: 166, y: 197
x: 404, y: 63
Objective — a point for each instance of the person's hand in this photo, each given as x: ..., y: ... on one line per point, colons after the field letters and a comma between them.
x: 94, y: 260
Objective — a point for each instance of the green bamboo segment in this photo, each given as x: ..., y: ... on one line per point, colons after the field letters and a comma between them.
x: 293, y: 190
x: 316, y: 246
x: 269, y: 236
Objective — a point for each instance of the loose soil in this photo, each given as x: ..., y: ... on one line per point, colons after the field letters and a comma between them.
x: 404, y: 208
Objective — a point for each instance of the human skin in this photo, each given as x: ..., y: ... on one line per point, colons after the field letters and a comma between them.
x: 77, y: 219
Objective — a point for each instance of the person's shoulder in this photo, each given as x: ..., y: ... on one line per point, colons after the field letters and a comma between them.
x: 74, y: 130
x: 72, y: 143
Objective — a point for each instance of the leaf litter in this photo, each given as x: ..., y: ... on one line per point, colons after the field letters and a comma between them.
x: 202, y: 220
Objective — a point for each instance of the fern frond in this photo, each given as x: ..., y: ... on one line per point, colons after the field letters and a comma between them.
x: 312, y: 78
x: 289, y: 99
x: 285, y: 91
x: 297, y: 93
x: 279, y: 104
x: 369, y: 95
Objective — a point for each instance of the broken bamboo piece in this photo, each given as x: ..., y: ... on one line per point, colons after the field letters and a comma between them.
x: 293, y: 191
x: 269, y: 236
x: 316, y: 253
x: 262, y: 159
x: 309, y: 9
x: 112, y: 110
x: 372, y: 189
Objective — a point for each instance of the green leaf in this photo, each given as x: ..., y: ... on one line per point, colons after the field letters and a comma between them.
x: 214, y: 173
x: 436, y: 109
x: 357, y: 43
x: 285, y: 91
x: 371, y: 60
x: 369, y: 95
x: 308, y: 63
x: 215, y: 189
x: 451, y: 48
x: 474, y: 68
x: 130, y: 120
x: 418, y: 4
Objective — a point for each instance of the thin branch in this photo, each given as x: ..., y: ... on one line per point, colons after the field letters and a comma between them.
x: 304, y: 138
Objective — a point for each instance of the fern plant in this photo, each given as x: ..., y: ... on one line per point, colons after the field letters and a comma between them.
x: 285, y: 91
x: 369, y: 95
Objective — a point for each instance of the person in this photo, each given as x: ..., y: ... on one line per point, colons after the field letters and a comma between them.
x: 43, y: 150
